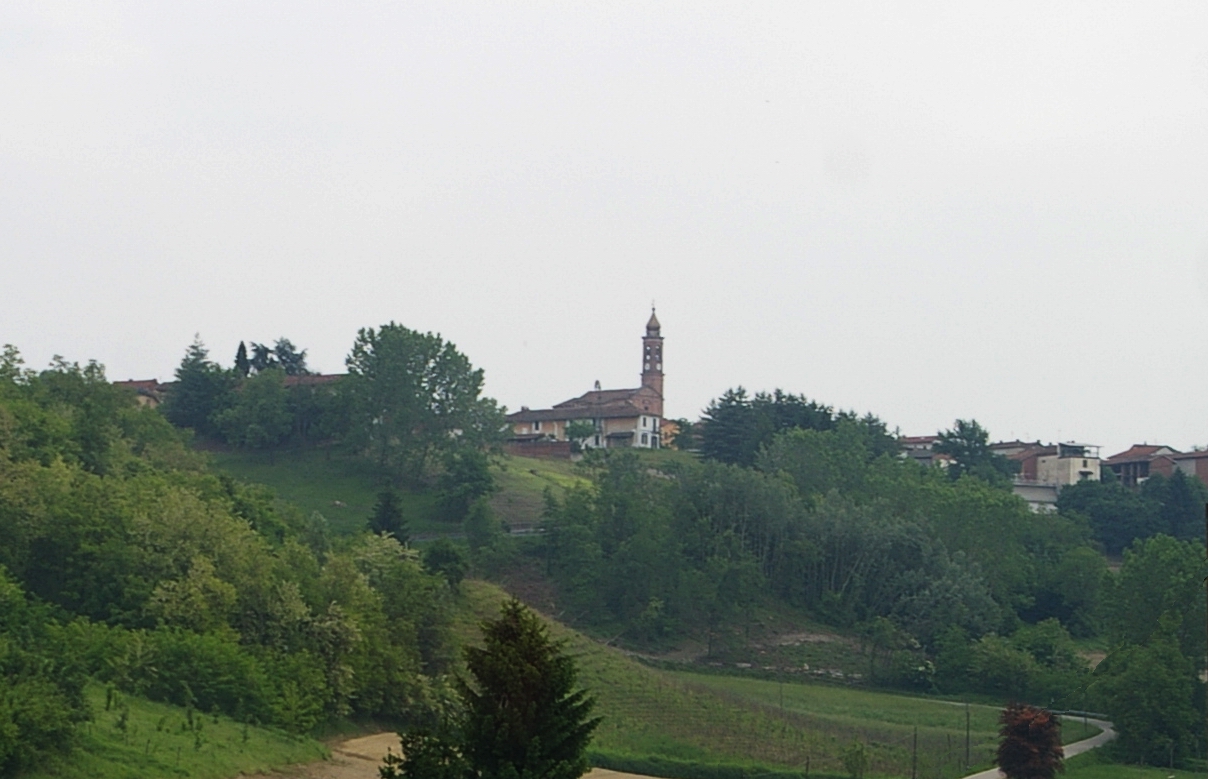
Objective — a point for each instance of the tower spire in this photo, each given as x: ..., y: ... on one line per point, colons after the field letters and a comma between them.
x: 652, y: 358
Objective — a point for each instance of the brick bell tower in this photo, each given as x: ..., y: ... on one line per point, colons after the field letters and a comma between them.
x: 652, y: 359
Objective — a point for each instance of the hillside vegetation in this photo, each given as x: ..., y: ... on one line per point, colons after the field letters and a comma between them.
x: 687, y: 720
x: 132, y: 738
x: 128, y: 563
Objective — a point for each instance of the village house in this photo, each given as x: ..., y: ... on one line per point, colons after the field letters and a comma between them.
x: 1135, y: 464
x: 616, y: 417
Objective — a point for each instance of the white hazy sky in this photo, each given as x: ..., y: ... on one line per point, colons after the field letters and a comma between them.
x: 926, y: 210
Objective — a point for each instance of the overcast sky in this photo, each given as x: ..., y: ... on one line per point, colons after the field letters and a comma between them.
x: 924, y: 210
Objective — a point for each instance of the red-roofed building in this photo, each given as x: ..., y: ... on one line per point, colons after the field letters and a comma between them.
x: 1139, y: 461
x: 620, y: 418
x: 148, y: 392
x: 1192, y: 464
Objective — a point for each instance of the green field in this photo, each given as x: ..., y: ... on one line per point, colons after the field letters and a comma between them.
x: 1093, y: 765
x: 698, y: 718
x: 139, y: 739
x: 343, y: 489
x: 522, y: 484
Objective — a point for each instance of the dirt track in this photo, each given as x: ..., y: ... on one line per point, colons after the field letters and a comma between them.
x: 359, y: 758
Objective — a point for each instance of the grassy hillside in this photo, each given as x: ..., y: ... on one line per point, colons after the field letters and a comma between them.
x: 344, y: 489
x: 139, y: 739
x: 717, y: 719
x: 522, y: 484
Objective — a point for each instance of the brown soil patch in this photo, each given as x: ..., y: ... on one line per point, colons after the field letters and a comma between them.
x: 808, y: 637
x: 359, y: 758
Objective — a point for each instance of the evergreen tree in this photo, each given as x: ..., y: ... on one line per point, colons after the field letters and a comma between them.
x: 522, y: 717
x: 242, y: 366
x: 388, y: 517
x: 202, y: 390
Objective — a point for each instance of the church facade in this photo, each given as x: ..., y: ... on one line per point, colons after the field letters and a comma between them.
x: 617, y: 418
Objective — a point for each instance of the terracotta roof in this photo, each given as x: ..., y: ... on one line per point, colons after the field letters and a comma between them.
x: 614, y: 410
x: 596, y: 397
x: 1190, y: 456
x: 139, y: 384
x: 918, y: 439
x: 1141, y: 452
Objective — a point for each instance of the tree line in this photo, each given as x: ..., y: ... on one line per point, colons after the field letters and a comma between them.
x: 409, y: 401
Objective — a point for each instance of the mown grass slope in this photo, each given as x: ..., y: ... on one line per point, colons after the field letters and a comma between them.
x: 140, y: 739
x: 344, y: 489
x: 699, y: 718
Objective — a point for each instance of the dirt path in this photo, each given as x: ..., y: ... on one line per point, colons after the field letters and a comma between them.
x: 359, y: 758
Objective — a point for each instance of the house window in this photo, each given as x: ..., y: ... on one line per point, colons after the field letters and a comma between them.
x: 536, y: 427
x: 643, y: 421
x: 597, y: 440
x: 644, y: 439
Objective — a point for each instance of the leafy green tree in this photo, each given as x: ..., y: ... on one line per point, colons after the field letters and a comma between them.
x: 259, y: 415
x: 202, y: 391
x: 292, y: 361
x: 1149, y: 690
x: 1117, y: 515
x: 1160, y: 579
x: 1031, y: 743
x: 262, y: 357
x: 968, y: 444
x: 1180, y: 499
x: 388, y: 516
x: 443, y: 558
x: 466, y: 478
x: 579, y: 431
x: 413, y: 397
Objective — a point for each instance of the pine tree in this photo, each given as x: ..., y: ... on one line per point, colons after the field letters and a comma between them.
x: 388, y: 517
x: 522, y: 717
x: 242, y: 366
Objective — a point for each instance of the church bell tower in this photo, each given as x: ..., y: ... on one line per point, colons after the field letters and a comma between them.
x: 652, y: 358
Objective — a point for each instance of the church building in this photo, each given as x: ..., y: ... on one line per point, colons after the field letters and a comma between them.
x: 619, y: 418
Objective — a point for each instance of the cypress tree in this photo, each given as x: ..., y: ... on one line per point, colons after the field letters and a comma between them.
x: 242, y: 365
x: 388, y: 517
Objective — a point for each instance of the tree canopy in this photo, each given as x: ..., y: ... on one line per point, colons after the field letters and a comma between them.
x: 413, y: 397
x: 968, y: 444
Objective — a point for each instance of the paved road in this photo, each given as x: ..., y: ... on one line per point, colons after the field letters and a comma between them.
x: 1077, y: 748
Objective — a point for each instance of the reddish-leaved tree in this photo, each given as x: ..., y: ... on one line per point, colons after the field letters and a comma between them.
x: 1031, y: 743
